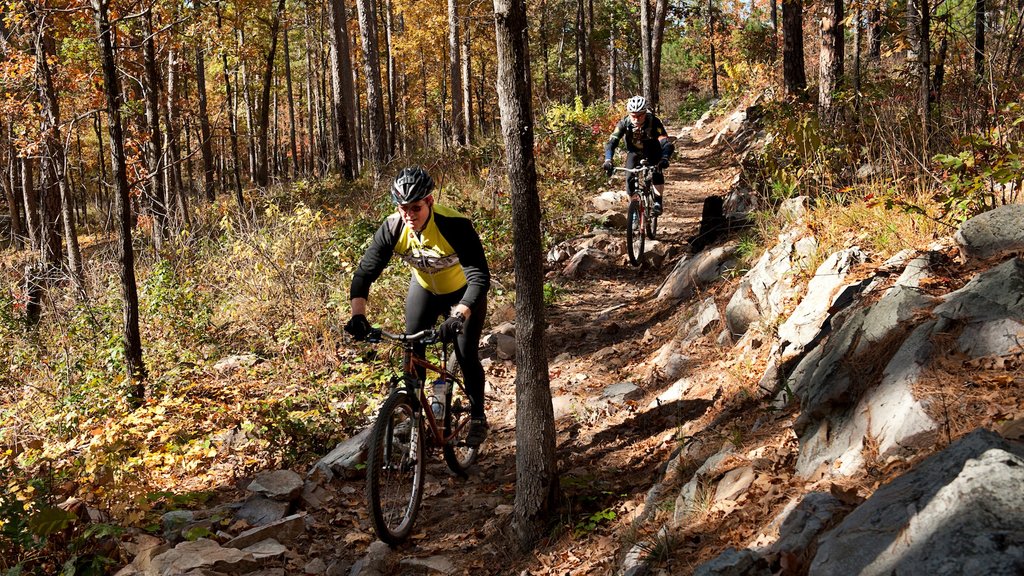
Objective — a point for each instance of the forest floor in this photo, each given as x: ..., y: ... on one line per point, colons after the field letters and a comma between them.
x: 604, y: 328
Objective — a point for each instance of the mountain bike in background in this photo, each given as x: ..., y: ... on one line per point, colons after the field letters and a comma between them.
x: 641, y: 220
x: 418, y: 416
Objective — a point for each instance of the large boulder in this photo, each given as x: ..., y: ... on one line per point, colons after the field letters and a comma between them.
x: 993, y: 234
x: 958, y: 512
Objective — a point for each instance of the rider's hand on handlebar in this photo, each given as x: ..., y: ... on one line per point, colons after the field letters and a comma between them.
x: 359, y: 327
x: 608, y: 167
x: 451, y: 328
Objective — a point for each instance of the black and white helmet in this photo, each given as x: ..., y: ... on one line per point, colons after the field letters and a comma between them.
x: 636, y: 104
x: 411, y: 184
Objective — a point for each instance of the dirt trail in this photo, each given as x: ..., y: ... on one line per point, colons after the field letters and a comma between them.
x: 604, y: 328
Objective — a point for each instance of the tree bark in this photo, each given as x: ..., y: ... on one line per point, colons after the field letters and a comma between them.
x: 344, y: 93
x: 657, y: 39
x: 793, y: 47
x: 924, y: 74
x: 467, y: 82
x: 537, y: 490
x: 875, y: 34
x: 205, y: 134
x: 230, y: 105
x: 646, y: 58
x: 581, y: 53
x: 392, y: 80
x: 154, y: 145
x: 612, y: 65
x: 177, y: 201
x: 262, y: 148
x: 979, y: 40
x: 371, y: 69
x: 33, y: 217
x: 830, y: 57
x: 293, y: 166
x: 132, y: 339
x: 455, y: 75
x: 53, y: 160
x: 711, y: 42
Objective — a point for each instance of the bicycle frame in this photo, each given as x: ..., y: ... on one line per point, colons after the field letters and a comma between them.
x: 640, y: 215
x: 416, y: 388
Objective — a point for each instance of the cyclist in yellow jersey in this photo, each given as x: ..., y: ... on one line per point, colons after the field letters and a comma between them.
x: 450, y: 278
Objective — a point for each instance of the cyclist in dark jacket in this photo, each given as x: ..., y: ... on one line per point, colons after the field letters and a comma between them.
x: 645, y: 137
x: 450, y: 278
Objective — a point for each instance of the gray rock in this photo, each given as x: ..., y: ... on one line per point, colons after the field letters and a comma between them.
x: 621, y: 393
x: 506, y: 346
x: 285, y: 530
x: 584, y: 261
x: 174, y: 521
x: 734, y: 483
x: 801, y: 525
x: 236, y: 362
x: 993, y: 234
x: 958, y: 512
x: 258, y: 510
x: 345, y: 459
x: 733, y: 562
x: 373, y: 562
x: 695, y: 272
x: 705, y: 321
x: 280, y: 485
x: 202, y: 554
x: 804, y: 325
x: 435, y: 563
x: 610, y: 200
x: 613, y: 219
x: 764, y: 291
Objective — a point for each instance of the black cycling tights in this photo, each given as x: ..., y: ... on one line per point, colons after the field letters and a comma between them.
x: 422, y: 310
x: 633, y: 161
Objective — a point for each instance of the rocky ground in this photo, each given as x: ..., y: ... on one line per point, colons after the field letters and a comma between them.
x: 712, y: 420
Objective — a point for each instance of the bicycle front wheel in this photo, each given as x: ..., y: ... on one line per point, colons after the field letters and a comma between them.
x: 457, y: 454
x: 651, y: 224
x: 394, y: 468
x: 635, y: 232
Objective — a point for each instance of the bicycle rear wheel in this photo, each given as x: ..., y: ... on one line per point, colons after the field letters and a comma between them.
x: 635, y: 232
x: 458, y: 412
x: 394, y: 468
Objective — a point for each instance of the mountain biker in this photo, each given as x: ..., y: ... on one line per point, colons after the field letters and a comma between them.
x: 645, y: 138
x: 450, y: 279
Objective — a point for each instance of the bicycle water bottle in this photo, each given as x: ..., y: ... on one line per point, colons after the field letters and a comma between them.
x: 437, y: 398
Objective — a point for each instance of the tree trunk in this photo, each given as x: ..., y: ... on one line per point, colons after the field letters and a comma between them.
x: 155, y: 145
x: 455, y: 74
x: 294, y: 165
x: 657, y: 38
x: 177, y: 200
x: 581, y: 53
x: 858, y: 12
x: 537, y: 491
x: 924, y: 74
x: 371, y: 69
x: 612, y: 65
x: 875, y: 34
x: 230, y: 105
x: 940, y: 69
x: 262, y: 148
x: 54, y: 161
x: 392, y: 80
x: 830, y: 60
x: 711, y: 42
x: 33, y: 216
x: 132, y: 339
x: 646, y: 58
x: 979, y: 40
x: 344, y: 93
x: 467, y: 82
x: 206, y: 142
x: 793, y: 47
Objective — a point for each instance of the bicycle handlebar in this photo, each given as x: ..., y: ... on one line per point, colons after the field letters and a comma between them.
x: 428, y: 336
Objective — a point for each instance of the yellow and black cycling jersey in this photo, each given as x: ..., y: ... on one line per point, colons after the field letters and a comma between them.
x: 445, y: 256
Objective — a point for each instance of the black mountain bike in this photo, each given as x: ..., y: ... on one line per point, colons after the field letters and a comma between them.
x: 640, y: 216
x: 407, y: 429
